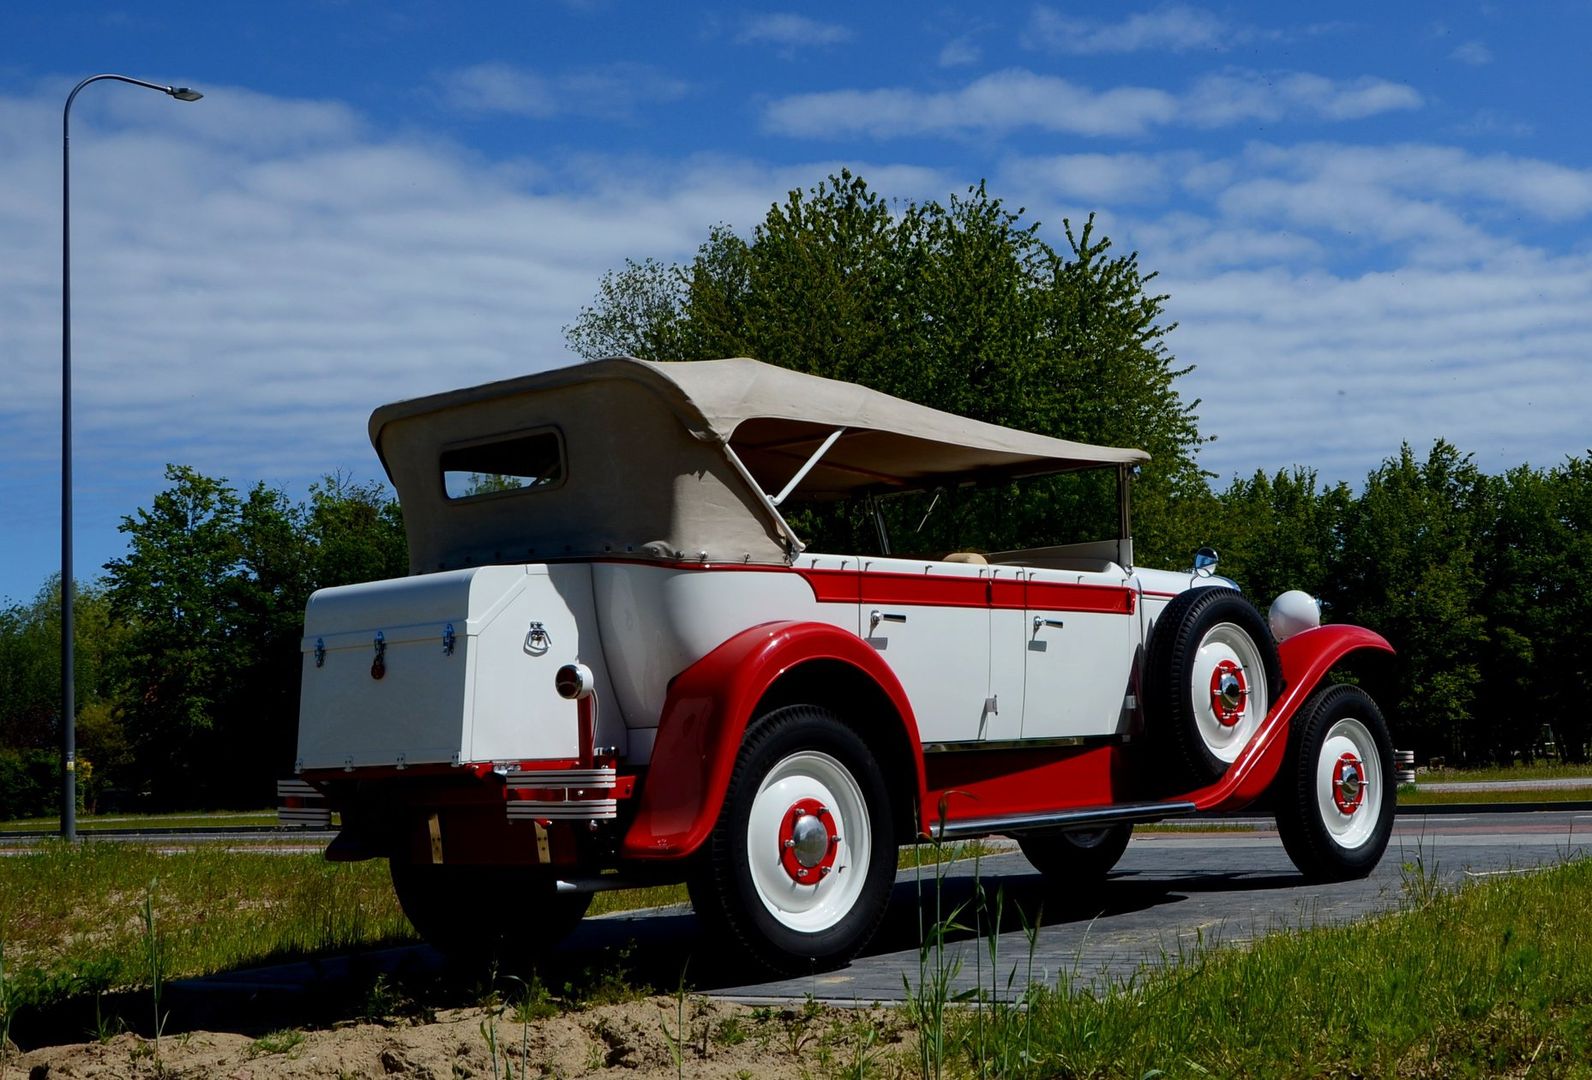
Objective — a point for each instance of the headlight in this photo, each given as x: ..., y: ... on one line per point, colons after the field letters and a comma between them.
x: 1293, y: 612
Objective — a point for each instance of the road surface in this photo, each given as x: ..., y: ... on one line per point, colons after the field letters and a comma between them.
x: 1172, y: 892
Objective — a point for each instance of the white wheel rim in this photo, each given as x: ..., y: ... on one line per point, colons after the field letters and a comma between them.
x: 1350, y: 811
x: 800, y: 779
x: 1226, y: 647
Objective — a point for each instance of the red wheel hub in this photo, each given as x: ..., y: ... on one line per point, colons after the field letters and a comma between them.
x: 808, y: 840
x: 1229, y: 693
x: 1348, y: 784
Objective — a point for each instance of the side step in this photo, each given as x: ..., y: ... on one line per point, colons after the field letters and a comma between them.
x: 1087, y: 818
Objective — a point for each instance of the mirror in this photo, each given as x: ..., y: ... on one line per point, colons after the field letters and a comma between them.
x: 1205, y: 561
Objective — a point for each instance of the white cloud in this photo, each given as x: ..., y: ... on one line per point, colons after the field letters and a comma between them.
x: 1171, y: 28
x: 1337, y: 300
x: 1098, y: 179
x: 1543, y: 189
x: 242, y: 308
x: 790, y: 31
x: 614, y: 91
x: 1234, y: 97
x: 1300, y: 367
x: 1005, y: 101
x: 960, y: 52
x: 253, y: 275
x: 1018, y: 99
x: 1473, y: 53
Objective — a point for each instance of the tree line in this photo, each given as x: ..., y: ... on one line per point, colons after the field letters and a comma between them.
x: 188, y: 646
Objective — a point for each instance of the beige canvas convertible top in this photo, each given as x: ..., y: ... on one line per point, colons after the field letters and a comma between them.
x: 684, y: 460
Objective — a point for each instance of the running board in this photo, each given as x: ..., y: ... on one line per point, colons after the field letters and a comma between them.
x: 1088, y: 818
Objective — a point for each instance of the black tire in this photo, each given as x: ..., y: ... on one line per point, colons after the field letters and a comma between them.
x: 801, y: 773
x: 1207, y: 635
x: 479, y: 913
x: 1076, y: 857
x: 1321, y: 810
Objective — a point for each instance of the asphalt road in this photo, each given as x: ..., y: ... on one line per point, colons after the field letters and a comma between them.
x: 1172, y: 892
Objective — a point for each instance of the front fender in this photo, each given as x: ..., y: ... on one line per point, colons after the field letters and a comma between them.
x: 704, y: 718
x: 1306, y: 659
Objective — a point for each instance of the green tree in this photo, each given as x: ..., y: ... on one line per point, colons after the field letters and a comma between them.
x: 1520, y: 552
x: 212, y: 590
x: 1409, y: 571
x: 30, y: 698
x: 177, y: 589
x: 1562, y: 659
x: 1279, y: 532
x: 961, y: 306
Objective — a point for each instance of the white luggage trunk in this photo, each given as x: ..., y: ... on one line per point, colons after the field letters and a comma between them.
x: 465, y: 661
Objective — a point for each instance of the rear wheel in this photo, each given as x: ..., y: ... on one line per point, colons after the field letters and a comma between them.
x: 1076, y: 857
x: 485, y: 912
x: 1335, y: 795
x: 799, y: 867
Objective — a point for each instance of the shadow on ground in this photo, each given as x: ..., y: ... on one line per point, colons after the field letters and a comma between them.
x: 605, y: 959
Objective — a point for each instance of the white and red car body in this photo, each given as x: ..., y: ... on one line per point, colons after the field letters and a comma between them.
x: 997, y: 696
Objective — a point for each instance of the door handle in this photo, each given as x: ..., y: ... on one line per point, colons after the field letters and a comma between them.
x: 877, y: 617
x: 1040, y: 622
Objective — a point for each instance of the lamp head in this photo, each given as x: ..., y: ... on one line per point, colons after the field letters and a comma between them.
x: 183, y: 93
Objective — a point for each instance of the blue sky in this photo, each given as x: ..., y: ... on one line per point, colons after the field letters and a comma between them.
x: 1374, y: 221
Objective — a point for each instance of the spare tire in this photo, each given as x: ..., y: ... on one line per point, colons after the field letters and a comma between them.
x: 1211, y: 676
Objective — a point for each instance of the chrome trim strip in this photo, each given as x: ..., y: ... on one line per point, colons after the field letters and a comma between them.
x: 1059, y: 742
x: 562, y: 778
x: 1097, y: 815
x: 600, y: 809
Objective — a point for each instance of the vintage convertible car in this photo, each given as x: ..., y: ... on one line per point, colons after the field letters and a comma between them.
x: 615, y: 661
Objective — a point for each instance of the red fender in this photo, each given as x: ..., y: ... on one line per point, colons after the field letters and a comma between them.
x: 705, y: 716
x: 1306, y: 659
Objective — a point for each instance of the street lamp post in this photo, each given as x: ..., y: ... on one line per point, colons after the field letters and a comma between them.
x: 68, y: 691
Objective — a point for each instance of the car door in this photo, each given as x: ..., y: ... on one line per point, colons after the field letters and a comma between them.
x: 930, y: 623
x: 1080, y: 648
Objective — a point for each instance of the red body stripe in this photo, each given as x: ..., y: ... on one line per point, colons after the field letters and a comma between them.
x: 1059, y: 596
x: 938, y: 590
x: 834, y: 586
x: 923, y: 590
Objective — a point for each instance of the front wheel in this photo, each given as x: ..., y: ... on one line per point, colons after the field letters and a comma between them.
x: 800, y: 865
x: 1335, y: 793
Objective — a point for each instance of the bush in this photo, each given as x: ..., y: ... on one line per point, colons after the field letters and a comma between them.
x: 30, y: 783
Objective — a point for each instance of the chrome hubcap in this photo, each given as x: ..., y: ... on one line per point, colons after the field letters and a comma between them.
x: 809, y: 840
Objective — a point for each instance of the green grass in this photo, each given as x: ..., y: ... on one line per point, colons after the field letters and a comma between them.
x: 186, y: 820
x: 1494, y: 980
x: 1416, y: 797
x: 71, y: 915
x: 1539, y: 771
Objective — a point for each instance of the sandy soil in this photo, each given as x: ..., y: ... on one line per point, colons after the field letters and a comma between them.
x: 636, y: 1040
